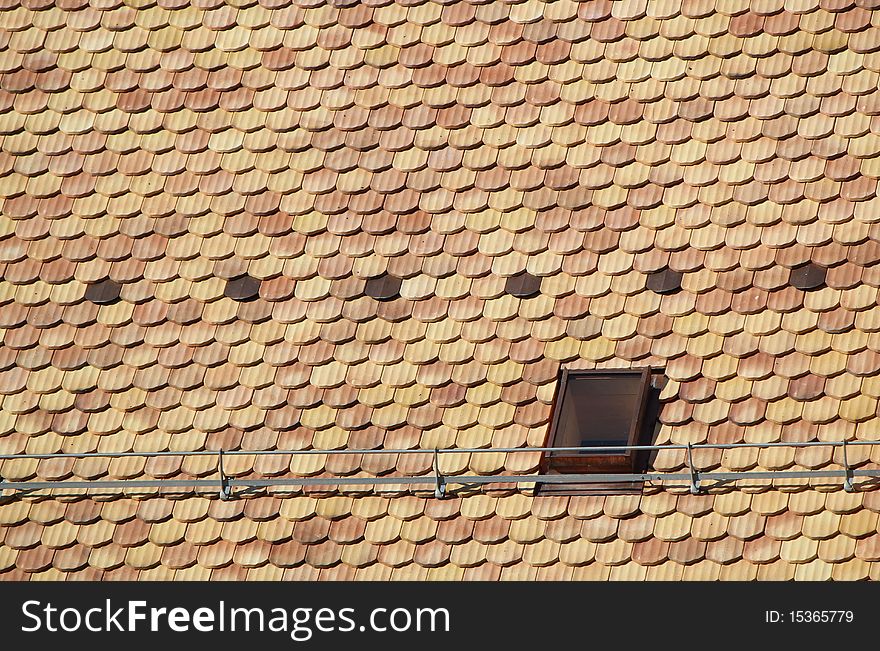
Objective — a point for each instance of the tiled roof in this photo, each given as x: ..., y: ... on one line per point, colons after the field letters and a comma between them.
x: 178, y: 148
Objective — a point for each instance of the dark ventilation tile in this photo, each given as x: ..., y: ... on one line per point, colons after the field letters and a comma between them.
x: 383, y: 288
x: 243, y: 288
x: 523, y: 285
x: 103, y: 292
x: 665, y: 281
x: 807, y: 277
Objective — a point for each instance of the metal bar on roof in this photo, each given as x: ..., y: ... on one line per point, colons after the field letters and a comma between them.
x: 847, y: 481
x: 225, y: 483
x: 493, y: 450
x: 695, y: 478
x: 225, y: 486
x: 430, y: 480
x: 440, y: 481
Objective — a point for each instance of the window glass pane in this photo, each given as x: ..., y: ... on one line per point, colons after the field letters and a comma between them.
x: 598, y: 410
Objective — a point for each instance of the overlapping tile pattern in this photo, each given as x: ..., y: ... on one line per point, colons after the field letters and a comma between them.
x: 738, y: 536
x: 316, y: 144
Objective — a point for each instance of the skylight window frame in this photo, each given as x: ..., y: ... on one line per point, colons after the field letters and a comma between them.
x: 598, y: 462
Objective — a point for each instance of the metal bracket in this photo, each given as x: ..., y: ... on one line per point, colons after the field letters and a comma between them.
x: 225, y: 488
x: 695, y: 476
x: 848, y: 476
x: 440, y: 481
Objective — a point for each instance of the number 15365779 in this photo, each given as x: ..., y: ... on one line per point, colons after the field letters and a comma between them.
x: 809, y: 616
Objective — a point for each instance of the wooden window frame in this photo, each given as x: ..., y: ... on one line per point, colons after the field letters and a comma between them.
x: 623, y: 462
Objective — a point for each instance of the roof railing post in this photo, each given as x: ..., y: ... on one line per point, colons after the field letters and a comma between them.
x: 848, y: 473
x: 695, y: 476
x: 225, y: 488
x: 439, y: 480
